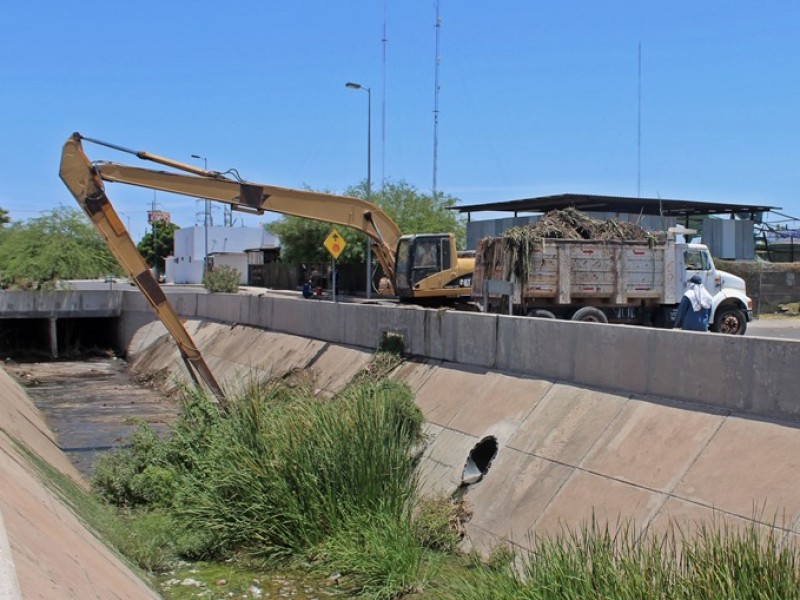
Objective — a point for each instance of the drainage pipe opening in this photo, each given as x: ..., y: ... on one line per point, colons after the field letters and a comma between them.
x: 479, y: 460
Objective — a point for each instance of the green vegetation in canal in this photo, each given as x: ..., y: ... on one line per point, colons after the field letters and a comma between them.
x: 326, y: 487
x: 285, y: 475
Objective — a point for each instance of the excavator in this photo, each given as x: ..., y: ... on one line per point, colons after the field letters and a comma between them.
x: 423, y: 269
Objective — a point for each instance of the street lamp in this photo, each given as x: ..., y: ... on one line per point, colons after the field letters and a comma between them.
x: 357, y: 86
x: 206, y: 214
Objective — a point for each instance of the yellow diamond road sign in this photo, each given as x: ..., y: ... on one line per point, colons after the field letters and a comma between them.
x: 335, y: 244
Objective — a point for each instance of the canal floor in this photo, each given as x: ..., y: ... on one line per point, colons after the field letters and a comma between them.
x: 91, y: 405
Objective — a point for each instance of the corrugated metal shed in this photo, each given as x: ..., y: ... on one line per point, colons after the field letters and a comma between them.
x: 620, y: 204
x: 726, y: 238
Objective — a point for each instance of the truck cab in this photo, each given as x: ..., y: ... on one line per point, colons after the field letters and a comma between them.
x: 732, y: 309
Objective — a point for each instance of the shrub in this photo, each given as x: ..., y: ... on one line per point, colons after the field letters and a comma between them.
x: 439, y: 523
x: 378, y: 557
x: 222, y: 278
x: 118, y: 475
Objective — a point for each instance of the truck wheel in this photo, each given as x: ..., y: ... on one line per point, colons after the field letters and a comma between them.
x: 590, y: 314
x: 730, y: 320
x: 541, y: 313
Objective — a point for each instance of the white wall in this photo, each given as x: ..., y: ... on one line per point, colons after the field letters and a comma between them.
x: 189, y: 250
x: 235, y: 260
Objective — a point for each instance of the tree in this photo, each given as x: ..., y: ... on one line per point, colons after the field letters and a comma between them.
x: 59, y: 245
x: 302, y: 241
x: 4, y: 218
x: 156, y: 249
x: 414, y: 212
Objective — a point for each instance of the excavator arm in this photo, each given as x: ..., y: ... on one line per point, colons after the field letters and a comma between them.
x: 85, y: 185
x: 85, y: 181
x: 355, y: 213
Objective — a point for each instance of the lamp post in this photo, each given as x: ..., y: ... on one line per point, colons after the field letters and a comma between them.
x: 357, y: 86
x: 206, y: 214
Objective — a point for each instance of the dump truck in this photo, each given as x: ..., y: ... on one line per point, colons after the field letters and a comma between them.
x: 636, y: 279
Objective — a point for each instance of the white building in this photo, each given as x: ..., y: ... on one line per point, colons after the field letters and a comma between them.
x: 224, y: 245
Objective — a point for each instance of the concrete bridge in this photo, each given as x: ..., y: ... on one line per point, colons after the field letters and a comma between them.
x: 542, y: 423
x: 37, y: 315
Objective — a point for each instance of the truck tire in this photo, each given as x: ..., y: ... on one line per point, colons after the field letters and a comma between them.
x: 729, y: 320
x: 541, y: 313
x: 590, y: 314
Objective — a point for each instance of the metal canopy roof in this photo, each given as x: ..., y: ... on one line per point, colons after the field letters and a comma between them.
x: 619, y: 204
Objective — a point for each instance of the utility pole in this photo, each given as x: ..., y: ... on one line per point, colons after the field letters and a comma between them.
x: 357, y: 86
x: 153, y: 230
x: 206, y: 216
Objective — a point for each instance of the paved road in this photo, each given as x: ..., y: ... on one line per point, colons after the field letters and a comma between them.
x: 787, y: 328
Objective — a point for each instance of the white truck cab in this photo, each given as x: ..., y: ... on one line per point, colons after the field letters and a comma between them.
x: 732, y: 309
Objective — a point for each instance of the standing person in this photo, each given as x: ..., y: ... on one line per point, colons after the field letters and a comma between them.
x: 695, y: 307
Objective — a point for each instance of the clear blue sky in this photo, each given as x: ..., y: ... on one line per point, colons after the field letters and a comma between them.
x: 535, y: 98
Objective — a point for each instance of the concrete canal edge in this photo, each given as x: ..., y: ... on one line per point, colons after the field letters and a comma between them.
x: 52, y: 552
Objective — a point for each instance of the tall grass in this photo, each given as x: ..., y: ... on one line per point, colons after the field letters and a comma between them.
x: 716, y: 563
x: 285, y: 473
x: 288, y: 470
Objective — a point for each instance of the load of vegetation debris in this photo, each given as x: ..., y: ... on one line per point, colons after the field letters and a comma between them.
x: 512, y: 249
x: 572, y: 224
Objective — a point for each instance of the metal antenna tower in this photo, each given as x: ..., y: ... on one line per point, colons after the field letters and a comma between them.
x: 639, y: 131
x: 384, y: 41
x: 436, y: 100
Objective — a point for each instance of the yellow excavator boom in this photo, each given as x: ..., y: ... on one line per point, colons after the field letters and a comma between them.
x: 83, y: 182
x: 444, y: 283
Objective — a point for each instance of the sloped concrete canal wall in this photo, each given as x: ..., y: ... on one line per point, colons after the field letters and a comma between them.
x: 745, y: 374
x: 567, y: 452
x: 45, y: 550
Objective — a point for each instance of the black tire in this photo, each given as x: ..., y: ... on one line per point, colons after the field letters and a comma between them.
x: 541, y: 313
x: 730, y: 321
x: 590, y: 314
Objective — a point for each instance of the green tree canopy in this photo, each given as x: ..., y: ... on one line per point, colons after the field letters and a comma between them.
x: 156, y: 248
x: 4, y: 218
x: 413, y: 211
x: 58, y: 245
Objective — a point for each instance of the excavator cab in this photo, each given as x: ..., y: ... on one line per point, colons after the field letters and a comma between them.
x: 421, y: 260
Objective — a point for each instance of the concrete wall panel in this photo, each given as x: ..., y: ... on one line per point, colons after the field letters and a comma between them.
x: 700, y: 367
x: 566, y: 423
x: 542, y: 347
x: 651, y: 445
x: 773, y: 368
x: 497, y: 404
x: 613, y: 358
x: 443, y: 462
x: 587, y: 498
x: 750, y: 468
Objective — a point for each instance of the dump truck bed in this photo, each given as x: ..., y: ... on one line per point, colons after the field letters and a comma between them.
x: 559, y: 271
